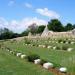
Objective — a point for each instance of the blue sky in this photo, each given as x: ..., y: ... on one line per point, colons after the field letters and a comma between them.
x: 18, y: 12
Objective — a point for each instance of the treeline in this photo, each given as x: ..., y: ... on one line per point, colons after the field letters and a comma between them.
x: 7, y: 34
x: 57, y: 26
x: 53, y: 25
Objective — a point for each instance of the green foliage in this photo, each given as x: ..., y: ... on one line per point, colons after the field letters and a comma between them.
x: 27, y: 41
x: 64, y: 41
x: 69, y: 41
x: 32, y: 57
x: 40, y: 29
x: 7, y: 34
x: 42, y: 62
x: 55, y: 25
x: 60, y: 40
x: 33, y: 28
x: 25, y: 33
x: 65, y: 47
x: 68, y: 27
x: 58, y: 48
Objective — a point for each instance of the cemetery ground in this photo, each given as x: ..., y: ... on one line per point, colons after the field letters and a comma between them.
x: 12, y: 65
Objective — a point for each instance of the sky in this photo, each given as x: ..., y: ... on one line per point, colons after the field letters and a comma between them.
x: 17, y: 15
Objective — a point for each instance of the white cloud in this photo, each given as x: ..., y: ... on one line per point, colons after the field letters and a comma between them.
x: 47, y: 12
x: 29, y: 21
x: 3, y: 23
x: 11, y: 3
x: 19, y: 26
x: 28, y: 5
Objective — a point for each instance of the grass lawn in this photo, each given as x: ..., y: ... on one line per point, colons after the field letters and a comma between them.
x: 17, y: 66
x: 12, y: 65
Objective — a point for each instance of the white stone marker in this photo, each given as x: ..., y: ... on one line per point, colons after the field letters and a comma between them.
x: 18, y: 54
x: 63, y: 69
x: 37, y: 61
x: 23, y: 56
x: 69, y: 49
x: 48, y: 65
x: 49, y: 47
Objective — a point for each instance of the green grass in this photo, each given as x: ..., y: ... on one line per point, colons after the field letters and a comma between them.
x: 12, y: 65
x: 58, y: 57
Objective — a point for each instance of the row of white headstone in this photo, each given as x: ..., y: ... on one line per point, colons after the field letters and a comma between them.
x: 46, y: 65
x: 62, y: 42
x: 50, y: 47
x: 49, y: 65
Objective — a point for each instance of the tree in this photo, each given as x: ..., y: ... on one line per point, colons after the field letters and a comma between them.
x: 68, y: 27
x: 14, y: 35
x: 55, y: 25
x: 25, y: 33
x: 40, y: 29
x: 33, y: 28
x: 74, y: 26
x: 7, y: 34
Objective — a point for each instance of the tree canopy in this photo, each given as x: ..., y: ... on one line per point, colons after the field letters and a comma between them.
x: 7, y: 34
x: 55, y: 25
x: 69, y: 26
x: 40, y: 29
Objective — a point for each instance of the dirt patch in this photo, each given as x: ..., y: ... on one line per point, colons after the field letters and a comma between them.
x: 57, y: 72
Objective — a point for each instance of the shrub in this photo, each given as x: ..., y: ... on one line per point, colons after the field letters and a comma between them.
x: 32, y: 57
x: 64, y: 41
x: 65, y: 47
x: 60, y: 40
x: 14, y: 53
x: 58, y: 48
x: 27, y: 41
x: 33, y: 44
x: 42, y: 62
x: 46, y: 45
x: 69, y: 41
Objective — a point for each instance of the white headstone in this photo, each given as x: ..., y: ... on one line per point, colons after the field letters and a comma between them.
x: 63, y: 69
x: 48, y: 65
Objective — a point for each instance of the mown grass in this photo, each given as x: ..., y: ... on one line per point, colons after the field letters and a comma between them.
x: 11, y: 65
x: 58, y: 57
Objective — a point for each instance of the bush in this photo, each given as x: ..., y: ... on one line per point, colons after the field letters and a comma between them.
x: 64, y: 41
x: 69, y: 42
x: 15, y: 52
x: 27, y: 41
x: 64, y: 47
x: 33, y: 44
x: 58, y: 48
x: 42, y: 62
x: 60, y: 40
x: 32, y: 57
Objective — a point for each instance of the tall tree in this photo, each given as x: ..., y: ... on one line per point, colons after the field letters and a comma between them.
x: 33, y: 28
x: 55, y: 25
x: 40, y: 29
x: 25, y: 33
x: 74, y: 26
x: 7, y: 34
x: 68, y: 27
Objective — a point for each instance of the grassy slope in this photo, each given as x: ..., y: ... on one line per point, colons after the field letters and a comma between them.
x: 62, y: 58
x: 11, y: 65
